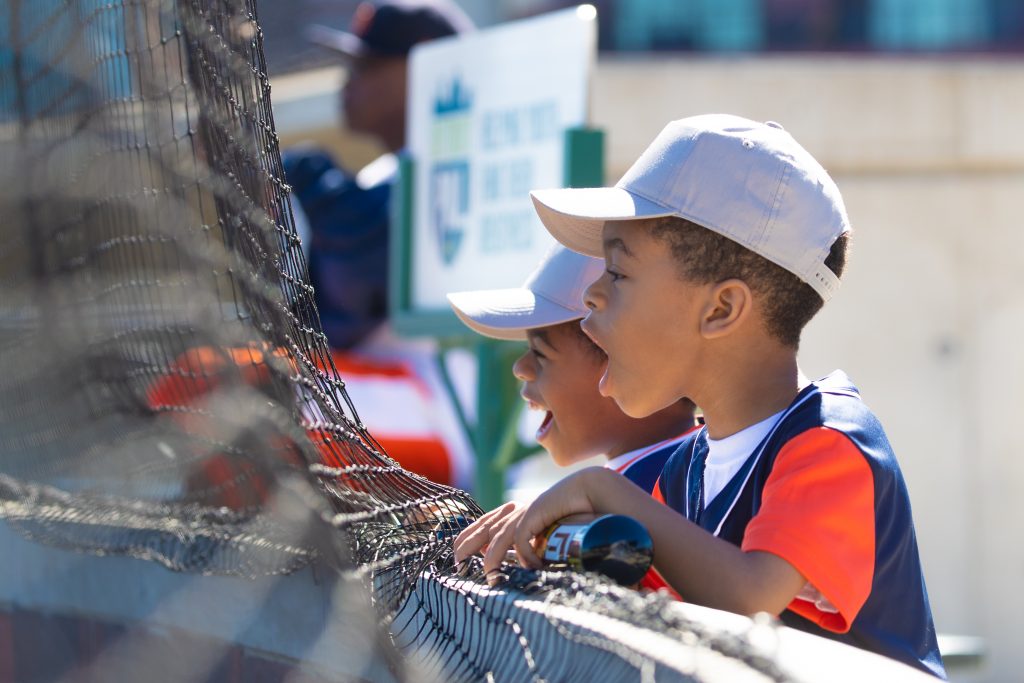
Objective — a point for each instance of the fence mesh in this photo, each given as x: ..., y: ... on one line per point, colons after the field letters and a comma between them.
x: 166, y: 391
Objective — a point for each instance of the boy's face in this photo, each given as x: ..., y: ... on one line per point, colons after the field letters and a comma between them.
x: 560, y: 372
x: 646, y: 318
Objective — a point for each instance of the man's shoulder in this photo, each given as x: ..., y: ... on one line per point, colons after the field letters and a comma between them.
x: 381, y: 171
x: 304, y: 165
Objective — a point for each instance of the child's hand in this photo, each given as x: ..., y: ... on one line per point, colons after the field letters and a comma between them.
x: 491, y: 534
x: 516, y: 525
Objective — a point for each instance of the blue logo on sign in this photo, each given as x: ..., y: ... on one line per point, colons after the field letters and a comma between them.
x: 449, y: 173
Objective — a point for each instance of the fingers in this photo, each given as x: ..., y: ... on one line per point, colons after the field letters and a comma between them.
x: 496, y: 533
x: 478, y: 535
x: 502, y: 540
x: 512, y: 526
x: 524, y: 538
x: 515, y: 530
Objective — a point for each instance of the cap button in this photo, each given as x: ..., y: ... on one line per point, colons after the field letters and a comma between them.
x: 773, y: 124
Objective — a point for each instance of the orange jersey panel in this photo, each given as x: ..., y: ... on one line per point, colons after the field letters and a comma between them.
x: 818, y: 514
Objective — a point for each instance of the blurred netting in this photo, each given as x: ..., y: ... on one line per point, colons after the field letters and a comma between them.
x: 167, y: 394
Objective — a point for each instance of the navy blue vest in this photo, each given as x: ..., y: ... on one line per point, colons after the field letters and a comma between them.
x: 646, y: 470
x: 896, y: 619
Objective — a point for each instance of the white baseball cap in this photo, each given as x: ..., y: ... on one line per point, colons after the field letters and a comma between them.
x: 748, y: 181
x: 552, y: 294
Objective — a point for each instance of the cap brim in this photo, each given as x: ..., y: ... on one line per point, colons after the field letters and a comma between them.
x: 576, y: 216
x: 508, y: 313
x: 347, y: 44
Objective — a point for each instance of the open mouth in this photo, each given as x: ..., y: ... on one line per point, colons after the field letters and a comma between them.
x: 588, y: 330
x: 545, y: 426
x: 549, y: 417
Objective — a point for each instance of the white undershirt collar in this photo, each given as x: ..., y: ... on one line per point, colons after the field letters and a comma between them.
x: 726, y: 456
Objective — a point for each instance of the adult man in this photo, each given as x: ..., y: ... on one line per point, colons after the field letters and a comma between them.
x: 396, y: 383
x: 348, y: 215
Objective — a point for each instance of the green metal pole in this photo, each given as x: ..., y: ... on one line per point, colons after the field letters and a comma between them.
x: 584, y: 157
x: 497, y: 392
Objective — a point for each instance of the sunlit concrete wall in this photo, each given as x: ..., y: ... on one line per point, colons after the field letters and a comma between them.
x: 929, y: 155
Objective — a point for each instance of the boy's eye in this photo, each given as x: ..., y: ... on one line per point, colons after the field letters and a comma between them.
x: 613, y: 275
x: 538, y: 354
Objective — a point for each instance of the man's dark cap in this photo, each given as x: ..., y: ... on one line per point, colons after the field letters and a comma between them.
x: 390, y: 28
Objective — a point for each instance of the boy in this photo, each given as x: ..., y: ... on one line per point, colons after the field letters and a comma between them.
x: 721, y: 242
x: 561, y: 368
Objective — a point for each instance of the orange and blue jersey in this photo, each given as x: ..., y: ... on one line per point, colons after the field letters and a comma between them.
x: 823, y: 491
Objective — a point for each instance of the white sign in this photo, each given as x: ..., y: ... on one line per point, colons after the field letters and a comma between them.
x: 487, y: 117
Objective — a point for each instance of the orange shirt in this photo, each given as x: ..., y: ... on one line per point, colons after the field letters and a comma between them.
x: 818, y: 514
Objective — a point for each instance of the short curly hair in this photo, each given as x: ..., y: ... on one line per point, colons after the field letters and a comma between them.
x: 705, y: 256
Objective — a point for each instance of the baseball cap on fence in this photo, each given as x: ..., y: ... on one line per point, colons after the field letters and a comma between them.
x: 552, y: 294
x: 748, y: 181
x: 391, y: 28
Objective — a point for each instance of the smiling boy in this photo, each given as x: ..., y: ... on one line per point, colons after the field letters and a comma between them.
x: 561, y: 368
x: 721, y: 242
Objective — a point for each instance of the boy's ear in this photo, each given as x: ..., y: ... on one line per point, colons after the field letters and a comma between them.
x: 728, y: 305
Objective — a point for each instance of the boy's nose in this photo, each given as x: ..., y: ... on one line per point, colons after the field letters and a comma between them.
x: 523, y: 367
x: 592, y: 293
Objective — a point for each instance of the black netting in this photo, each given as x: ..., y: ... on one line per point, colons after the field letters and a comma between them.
x: 166, y: 391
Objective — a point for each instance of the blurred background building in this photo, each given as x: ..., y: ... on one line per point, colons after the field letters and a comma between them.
x: 715, y: 26
x: 915, y: 107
